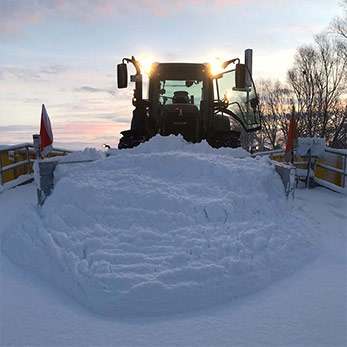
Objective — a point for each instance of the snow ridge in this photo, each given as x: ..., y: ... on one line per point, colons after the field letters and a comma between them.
x: 163, y: 228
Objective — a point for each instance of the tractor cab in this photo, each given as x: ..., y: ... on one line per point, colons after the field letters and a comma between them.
x: 177, y: 92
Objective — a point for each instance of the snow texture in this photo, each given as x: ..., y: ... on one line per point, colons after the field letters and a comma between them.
x: 11, y: 184
x: 163, y: 228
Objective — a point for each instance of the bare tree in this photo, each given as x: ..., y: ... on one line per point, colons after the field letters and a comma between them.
x: 275, y: 107
x: 317, y: 87
x: 337, y: 127
x: 318, y: 80
x: 339, y: 24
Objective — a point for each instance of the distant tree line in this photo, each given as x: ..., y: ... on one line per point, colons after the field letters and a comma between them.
x: 316, y: 90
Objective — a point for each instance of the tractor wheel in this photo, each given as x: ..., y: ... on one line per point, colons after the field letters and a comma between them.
x: 230, y: 139
x: 130, y: 141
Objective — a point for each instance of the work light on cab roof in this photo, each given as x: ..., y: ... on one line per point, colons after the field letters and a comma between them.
x: 216, y: 66
x: 201, y: 101
x: 146, y: 64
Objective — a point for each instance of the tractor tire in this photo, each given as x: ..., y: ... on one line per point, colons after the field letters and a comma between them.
x: 130, y: 141
x: 231, y: 139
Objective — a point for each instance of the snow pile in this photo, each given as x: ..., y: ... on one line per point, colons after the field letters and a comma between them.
x: 162, y: 228
x: 86, y: 154
x: 176, y: 144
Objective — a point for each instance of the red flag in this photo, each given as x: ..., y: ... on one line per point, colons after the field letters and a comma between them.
x: 292, y: 140
x: 45, y: 133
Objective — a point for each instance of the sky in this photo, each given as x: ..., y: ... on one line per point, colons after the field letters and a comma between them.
x: 64, y: 53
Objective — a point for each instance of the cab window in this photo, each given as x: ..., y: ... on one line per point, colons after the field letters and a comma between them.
x: 180, y: 91
x: 241, y: 103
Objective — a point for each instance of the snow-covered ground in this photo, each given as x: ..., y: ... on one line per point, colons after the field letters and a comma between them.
x: 173, y: 245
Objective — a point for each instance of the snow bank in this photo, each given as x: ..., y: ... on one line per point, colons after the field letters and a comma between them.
x: 175, y: 144
x: 163, y: 228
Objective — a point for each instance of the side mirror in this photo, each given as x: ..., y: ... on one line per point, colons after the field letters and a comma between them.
x: 240, y: 76
x: 122, y: 75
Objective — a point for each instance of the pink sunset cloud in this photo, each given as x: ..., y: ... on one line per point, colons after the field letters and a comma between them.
x: 304, y: 29
x: 16, y: 15
x: 80, y: 134
x: 86, y: 128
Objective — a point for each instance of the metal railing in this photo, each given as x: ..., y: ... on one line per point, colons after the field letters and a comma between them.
x: 322, y: 182
x: 28, y: 148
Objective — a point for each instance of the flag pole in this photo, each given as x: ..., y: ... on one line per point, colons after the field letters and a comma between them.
x: 46, y: 133
x: 292, y: 139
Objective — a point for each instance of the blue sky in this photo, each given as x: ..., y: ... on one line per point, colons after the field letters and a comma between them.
x: 64, y: 54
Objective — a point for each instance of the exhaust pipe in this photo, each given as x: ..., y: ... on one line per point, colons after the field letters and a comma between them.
x: 249, y: 59
x: 249, y: 63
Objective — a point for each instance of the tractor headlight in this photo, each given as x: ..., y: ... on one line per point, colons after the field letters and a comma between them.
x: 216, y: 66
x: 145, y: 64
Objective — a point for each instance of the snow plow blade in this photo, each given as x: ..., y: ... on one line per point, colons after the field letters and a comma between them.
x: 287, y: 173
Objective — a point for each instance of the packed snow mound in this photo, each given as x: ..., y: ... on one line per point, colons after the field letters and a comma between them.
x: 163, y: 228
x: 160, y: 144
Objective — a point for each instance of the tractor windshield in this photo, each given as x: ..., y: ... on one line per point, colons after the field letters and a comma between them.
x: 180, y: 92
x: 241, y: 104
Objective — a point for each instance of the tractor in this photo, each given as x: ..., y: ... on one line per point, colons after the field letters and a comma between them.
x: 199, y: 101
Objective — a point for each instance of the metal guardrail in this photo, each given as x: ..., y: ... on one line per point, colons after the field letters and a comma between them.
x: 12, y: 166
x: 342, y: 171
x: 319, y: 181
x: 27, y: 162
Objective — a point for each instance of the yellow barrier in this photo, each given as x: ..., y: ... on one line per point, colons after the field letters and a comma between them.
x: 16, y: 156
x: 327, y: 175
x: 331, y: 159
x: 5, y: 160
